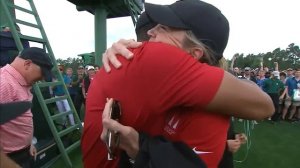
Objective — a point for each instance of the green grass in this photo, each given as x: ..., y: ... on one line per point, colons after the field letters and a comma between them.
x: 272, y: 146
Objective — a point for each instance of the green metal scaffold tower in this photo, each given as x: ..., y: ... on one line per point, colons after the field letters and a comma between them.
x: 103, y: 9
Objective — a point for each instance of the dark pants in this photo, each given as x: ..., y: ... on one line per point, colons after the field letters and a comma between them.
x: 21, y: 157
x: 79, y: 100
x: 73, y: 96
x: 275, y: 99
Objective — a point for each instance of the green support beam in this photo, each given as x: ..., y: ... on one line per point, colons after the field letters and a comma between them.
x: 100, y: 33
x: 3, y: 20
x: 103, y: 9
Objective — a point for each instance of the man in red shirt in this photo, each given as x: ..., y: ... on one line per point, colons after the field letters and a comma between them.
x: 157, y: 88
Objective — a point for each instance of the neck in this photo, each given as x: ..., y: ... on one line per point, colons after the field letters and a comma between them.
x: 16, y: 66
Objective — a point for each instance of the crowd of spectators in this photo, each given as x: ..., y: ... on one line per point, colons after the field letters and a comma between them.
x: 281, y: 85
x: 77, y: 84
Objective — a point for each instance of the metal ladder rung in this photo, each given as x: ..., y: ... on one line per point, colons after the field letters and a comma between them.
x: 46, y: 84
x: 34, y: 39
x: 73, y: 146
x: 20, y: 8
x: 45, y: 149
x: 56, y: 116
x: 51, y: 162
x: 27, y: 24
x: 68, y: 130
x: 54, y: 99
x: 133, y: 3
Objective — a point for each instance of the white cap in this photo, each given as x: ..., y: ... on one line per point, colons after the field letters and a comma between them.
x: 90, y: 68
x: 275, y: 73
x: 247, y: 68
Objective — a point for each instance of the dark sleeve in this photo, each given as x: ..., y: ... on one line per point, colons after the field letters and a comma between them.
x: 231, y: 133
x: 227, y: 158
x: 253, y: 79
x: 281, y: 86
x: 157, y: 152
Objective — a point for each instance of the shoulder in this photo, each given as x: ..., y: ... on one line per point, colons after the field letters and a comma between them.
x: 289, y: 80
x: 86, y: 77
x: 161, y: 56
x: 265, y: 80
x: 7, y: 85
x: 6, y: 78
x: 75, y: 77
x: 8, y: 90
x: 157, y: 51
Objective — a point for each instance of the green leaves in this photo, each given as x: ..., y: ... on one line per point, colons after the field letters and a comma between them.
x: 286, y: 58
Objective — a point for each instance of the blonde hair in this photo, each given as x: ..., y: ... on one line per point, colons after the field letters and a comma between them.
x: 223, y: 64
x: 191, y: 41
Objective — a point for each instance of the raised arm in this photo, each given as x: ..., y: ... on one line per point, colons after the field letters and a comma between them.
x: 233, y: 61
x: 276, y: 66
x: 284, y: 93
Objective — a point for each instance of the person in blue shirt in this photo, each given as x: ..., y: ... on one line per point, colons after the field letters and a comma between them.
x: 291, y: 84
x: 261, y: 78
x: 62, y: 105
x: 68, y: 79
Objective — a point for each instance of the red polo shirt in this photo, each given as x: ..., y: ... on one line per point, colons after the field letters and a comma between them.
x: 160, y: 82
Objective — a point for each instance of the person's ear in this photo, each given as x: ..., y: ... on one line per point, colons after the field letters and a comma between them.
x: 27, y: 64
x: 197, y: 53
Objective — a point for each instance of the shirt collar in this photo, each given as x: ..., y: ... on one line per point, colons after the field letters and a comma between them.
x: 13, y: 72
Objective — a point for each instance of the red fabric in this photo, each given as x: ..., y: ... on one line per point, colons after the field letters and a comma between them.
x: 204, y: 132
x: 160, y: 80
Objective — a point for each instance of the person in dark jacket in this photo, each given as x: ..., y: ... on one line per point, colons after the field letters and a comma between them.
x: 233, y: 144
x: 87, y: 80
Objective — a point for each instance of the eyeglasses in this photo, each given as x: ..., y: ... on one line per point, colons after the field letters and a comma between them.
x: 113, y: 137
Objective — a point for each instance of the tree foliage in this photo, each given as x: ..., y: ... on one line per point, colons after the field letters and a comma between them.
x: 286, y: 58
x: 70, y: 62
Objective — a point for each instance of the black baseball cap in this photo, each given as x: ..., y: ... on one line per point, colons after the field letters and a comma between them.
x: 206, y: 21
x: 9, y: 111
x: 40, y: 58
x: 143, y: 24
